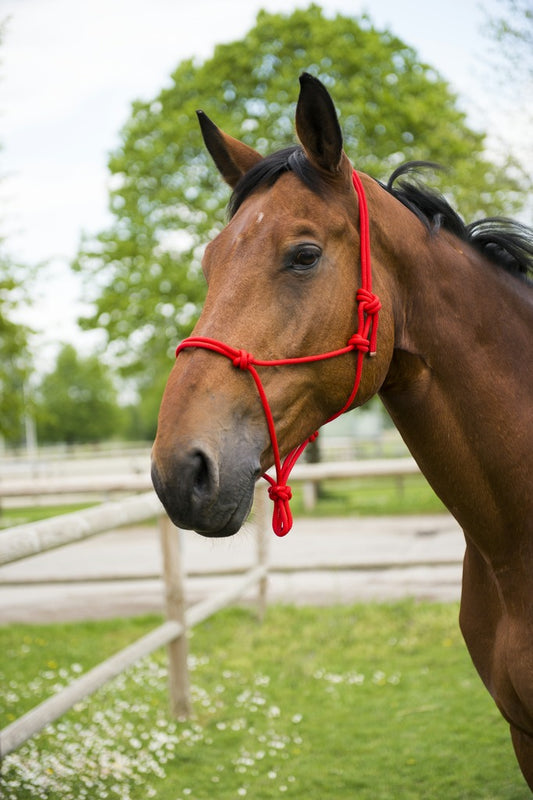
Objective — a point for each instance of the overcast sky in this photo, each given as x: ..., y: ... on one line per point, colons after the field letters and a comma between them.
x: 70, y: 70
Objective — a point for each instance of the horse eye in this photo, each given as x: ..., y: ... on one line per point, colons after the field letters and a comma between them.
x: 304, y: 257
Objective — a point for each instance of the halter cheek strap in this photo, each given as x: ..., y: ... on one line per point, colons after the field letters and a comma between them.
x: 364, y: 341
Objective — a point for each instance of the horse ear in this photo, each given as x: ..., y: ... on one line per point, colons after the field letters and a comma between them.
x: 317, y: 125
x: 232, y: 158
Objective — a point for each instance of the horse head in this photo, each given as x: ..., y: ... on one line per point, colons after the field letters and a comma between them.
x: 282, y: 282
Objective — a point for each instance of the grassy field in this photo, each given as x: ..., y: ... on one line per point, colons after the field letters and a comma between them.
x: 408, y: 494
x: 365, y: 702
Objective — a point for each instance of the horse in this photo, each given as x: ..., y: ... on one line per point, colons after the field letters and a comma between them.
x: 325, y: 288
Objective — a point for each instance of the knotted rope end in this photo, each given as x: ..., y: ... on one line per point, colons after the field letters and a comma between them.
x: 281, y: 494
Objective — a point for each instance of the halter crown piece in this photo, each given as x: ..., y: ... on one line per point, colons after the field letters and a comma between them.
x: 364, y: 341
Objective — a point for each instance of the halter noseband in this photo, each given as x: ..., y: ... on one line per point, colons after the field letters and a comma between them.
x: 364, y: 341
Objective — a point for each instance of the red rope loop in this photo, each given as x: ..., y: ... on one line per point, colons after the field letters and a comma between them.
x: 364, y: 341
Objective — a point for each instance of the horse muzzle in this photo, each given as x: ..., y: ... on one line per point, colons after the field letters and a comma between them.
x: 204, y: 492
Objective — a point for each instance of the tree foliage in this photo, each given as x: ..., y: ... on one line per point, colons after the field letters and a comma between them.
x: 510, y: 26
x: 14, y: 355
x: 77, y: 401
x: 168, y: 200
x: 512, y: 29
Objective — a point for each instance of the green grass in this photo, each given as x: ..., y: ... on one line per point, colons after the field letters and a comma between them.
x: 408, y: 494
x: 367, y: 702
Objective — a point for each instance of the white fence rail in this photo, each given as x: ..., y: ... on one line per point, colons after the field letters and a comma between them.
x: 140, y: 482
x: 22, y: 541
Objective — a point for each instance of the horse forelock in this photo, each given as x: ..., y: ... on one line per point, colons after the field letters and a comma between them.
x: 270, y: 169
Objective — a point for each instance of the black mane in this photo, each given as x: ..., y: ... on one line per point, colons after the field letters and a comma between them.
x: 503, y: 241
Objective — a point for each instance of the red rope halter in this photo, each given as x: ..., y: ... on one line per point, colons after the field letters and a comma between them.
x: 364, y: 341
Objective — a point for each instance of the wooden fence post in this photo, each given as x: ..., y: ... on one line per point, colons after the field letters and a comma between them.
x: 173, y: 574
x: 262, y: 524
x: 310, y: 493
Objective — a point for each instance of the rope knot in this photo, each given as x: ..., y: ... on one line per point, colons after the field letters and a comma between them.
x: 242, y: 360
x: 369, y: 304
x: 359, y: 342
x: 369, y: 301
x: 279, y: 492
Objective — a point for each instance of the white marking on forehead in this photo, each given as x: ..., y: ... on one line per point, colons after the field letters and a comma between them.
x: 260, y: 217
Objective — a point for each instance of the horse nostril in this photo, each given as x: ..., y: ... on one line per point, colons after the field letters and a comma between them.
x: 202, y: 474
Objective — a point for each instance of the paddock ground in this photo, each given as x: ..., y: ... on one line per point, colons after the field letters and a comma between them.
x: 321, y: 561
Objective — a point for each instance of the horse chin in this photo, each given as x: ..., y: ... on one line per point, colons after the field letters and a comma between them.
x: 219, y: 527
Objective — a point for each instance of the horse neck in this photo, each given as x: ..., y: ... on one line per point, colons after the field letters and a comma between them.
x: 460, y: 386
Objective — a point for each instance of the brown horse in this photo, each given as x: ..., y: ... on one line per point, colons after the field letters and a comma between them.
x: 454, y: 366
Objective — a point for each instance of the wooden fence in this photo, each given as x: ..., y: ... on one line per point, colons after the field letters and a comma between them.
x: 105, y: 485
x: 27, y: 540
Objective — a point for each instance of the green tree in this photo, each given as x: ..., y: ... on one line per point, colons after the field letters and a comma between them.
x: 167, y: 199
x: 77, y: 401
x: 14, y: 352
x: 14, y: 355
x: 512, y: 29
